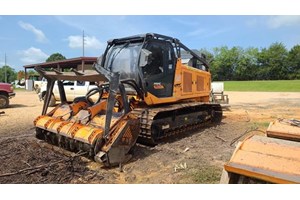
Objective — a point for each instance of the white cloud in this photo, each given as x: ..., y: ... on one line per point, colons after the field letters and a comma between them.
x: 40, y: 36
x: 75, y: 41
x: 33, y: 55
x: 283, y: 20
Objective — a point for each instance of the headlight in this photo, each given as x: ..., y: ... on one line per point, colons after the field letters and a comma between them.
x: 12, y: 88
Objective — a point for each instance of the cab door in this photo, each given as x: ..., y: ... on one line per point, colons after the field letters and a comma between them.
x: 159, y: 72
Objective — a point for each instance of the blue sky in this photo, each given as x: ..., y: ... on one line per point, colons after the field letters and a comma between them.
x: 31, y: 39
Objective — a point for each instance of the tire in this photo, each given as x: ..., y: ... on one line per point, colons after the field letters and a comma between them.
x: 4, y: 101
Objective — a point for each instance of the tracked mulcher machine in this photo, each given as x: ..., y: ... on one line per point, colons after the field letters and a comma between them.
x: 145, y: 94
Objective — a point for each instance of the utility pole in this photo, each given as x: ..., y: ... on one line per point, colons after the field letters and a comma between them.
x: 5, y: 68
x: 82, y: 62
x: 83, y: 43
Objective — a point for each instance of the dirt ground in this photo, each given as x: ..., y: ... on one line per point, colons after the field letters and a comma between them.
x: 196, y: 157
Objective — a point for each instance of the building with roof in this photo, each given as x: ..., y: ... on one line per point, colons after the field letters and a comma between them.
x: 80, y: 63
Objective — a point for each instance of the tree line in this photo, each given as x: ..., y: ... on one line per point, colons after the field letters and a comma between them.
x: 272, y: 63
x: 12, y: 75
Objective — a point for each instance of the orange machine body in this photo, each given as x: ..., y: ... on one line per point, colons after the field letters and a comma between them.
x: 189, y: 83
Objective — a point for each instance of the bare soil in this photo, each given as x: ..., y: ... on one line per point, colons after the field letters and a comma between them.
x: 195, y: 157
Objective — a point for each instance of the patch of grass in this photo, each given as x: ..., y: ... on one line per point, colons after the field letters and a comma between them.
x: 207, y: 174
x: 263, y: 86
x: 19, y: 89
x: 260, y: 124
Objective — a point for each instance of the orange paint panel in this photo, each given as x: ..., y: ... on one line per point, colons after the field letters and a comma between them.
x: 64, y: 111
x: 281, y: 129
x: 65, y: 130
x: 54, y: 127
x: 268, y: 159
x: 52, y: 122
x: 200, y: 83
x: 268, y: 162
x: 42, y: 121
x: 274, y: 147
x: 99, y: 121
x: 261, y: 174
x: 185, y: 86
x: 87, y: 134
x: 187, y: 82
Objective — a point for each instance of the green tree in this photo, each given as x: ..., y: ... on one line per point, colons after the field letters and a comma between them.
x: 263, y: 65
x: 32, y: 75
x: 11, y: 75
x: 209, y: 56
x: 55, y: 57
x: 246, y: 67
x: 225, y: 63
x: 294, y: 62
x: 272, y: 62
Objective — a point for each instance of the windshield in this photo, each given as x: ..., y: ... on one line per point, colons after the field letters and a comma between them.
x: 123, y: 59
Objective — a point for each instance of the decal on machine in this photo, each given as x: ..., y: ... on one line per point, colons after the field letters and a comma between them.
x: 158, y: 86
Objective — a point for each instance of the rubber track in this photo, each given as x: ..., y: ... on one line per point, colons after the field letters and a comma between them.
x: 147, y: 118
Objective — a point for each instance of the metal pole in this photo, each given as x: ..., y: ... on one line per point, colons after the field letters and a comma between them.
x: 83, y: 43
x: 5, y: 73
x: 82, y: 62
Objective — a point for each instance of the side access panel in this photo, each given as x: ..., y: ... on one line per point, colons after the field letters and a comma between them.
x: 195, y: 82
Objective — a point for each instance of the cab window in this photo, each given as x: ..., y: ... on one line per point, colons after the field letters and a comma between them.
x: 80, y: 83
x: 71, y: 83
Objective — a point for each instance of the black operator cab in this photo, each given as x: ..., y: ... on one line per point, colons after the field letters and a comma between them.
x: 158, y: 71
x: 147, y: 60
